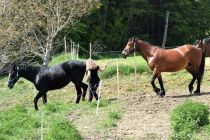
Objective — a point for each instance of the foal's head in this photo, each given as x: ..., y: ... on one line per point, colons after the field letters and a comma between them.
x: 129, y: 48
x: 13, y: 75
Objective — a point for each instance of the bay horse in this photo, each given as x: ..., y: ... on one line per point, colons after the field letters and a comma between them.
x: 204, y: 44
x: 45, y: 78
x: 169, y: 60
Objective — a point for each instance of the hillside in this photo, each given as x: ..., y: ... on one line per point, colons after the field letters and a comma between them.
x: 136, y: 113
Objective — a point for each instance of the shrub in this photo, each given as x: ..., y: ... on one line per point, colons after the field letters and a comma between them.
x: 187, y: 118
x: 63, y: 130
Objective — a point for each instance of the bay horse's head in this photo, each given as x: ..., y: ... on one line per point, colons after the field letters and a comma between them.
x: 13, y: 75
x: 129, y: 48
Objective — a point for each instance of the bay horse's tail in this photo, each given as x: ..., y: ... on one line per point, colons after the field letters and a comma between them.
x: 202, y: 65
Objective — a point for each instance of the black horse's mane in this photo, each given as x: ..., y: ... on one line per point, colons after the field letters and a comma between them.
x: 32, y: 67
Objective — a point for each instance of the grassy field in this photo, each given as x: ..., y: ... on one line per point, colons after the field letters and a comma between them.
x: 63, y: 118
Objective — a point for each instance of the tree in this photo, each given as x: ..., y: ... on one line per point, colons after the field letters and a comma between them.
x: 34, y: 24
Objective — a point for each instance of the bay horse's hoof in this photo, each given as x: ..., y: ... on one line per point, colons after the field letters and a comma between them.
x: 191, y: 90
x: 157, y: 90
x: 161, y: 93
x: 197, y: 93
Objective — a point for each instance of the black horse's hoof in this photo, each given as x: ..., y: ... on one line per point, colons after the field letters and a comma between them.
x: 83, y: 99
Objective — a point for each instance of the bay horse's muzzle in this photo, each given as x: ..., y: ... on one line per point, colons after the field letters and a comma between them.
x: 124, y: 54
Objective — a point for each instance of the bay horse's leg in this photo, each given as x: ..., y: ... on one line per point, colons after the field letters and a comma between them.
x: 162, y: 91
x: 79, y: 93
x: 84, y: 87
x: 190, y: 86
x: 44, y: 98
x: 197, y: 91
x: 157, y: 90
x: 36, y: 100
x: 200, y: 73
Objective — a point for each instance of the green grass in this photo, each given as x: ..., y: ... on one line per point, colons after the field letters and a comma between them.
x: 111, y: 120
x: 20, y: 122
x: 202, y: 134
x: 18, y: 103
x: 126, y: 66
x: 188, y: 118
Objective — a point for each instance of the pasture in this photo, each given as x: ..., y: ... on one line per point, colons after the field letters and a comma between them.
x: 137, y: 114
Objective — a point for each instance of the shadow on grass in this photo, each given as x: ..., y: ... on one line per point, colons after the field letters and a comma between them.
x: 189, y: 95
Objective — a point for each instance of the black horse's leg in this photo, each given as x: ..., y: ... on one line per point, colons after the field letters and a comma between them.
x: 79, y: 93
x: 157, y: 90
x: 44, y: 98
x: 190, y: 86
x: 84, y: 87
x: 162, y: 92
x: 36, y: 100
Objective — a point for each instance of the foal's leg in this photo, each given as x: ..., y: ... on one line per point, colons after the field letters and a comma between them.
x: 157, y: 90
x: 162, y: 92
x: 84, y: 87
x: 36, y: 100
x: 79, y: 93
x: 44, y: 98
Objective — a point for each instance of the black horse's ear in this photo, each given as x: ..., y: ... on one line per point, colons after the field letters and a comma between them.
x: 13, y: 65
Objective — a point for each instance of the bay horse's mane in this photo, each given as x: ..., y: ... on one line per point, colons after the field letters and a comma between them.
x: 207, y: 40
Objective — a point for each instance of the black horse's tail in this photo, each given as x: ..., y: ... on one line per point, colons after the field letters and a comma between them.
x: 202, y: 65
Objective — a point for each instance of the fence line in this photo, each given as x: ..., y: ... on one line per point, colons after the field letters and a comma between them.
x: 42, y: 125
x: 99, y: 96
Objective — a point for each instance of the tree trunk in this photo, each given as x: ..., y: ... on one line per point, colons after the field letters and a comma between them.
x: 47, y: 55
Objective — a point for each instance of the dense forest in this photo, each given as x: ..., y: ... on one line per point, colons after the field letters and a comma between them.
x: 118, y: 20
x: 106, y: 24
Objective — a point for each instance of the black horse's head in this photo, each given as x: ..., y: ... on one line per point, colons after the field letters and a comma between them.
x: 129, y: 48
x: 13, y: 75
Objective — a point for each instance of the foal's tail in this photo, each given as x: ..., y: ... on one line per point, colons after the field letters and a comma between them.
x: 202, y: 65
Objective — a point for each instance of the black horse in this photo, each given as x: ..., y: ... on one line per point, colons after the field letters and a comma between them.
x: 46, y: 78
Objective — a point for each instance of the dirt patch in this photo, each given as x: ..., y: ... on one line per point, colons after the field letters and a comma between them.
x: 148, y: 117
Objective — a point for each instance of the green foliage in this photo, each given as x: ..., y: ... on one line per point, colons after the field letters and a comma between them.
x: 113, y: 117
x: 63, y: 130
x: 126, y: 67
x: 116, y: 21
x: 187, y: 118
x: 18, y: 123
x: 21, y: 123
x: 202, y: 134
